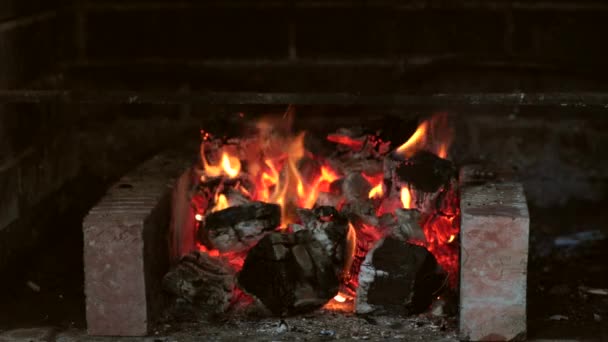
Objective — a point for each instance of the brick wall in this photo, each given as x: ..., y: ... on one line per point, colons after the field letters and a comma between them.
x: 292, y: 29
x: 37, y: 151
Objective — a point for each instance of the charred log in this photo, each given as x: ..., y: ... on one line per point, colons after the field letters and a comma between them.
x: 426, y: 172
x: 406, y: 225
x: 237, y: 229
x: 355, y: 187
x: 206, y: 282
x: 400, y: 276
x: 298, y: 272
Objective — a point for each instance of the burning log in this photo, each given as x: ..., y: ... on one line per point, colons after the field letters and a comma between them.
x: 398, y: 275
x: 205, y: 281
x: 426, y: 171
x: 406, y: 225
x: 237, y: 229
x: 355, y: 187
x: 298, y: 272
x: 424, y: 179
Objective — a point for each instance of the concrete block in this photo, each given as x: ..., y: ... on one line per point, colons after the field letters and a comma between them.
x: 494, y: 256
x: 126, y: 250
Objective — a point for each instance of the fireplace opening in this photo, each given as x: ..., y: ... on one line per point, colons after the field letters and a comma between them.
x: 299, y: 217
x: 302, y: 170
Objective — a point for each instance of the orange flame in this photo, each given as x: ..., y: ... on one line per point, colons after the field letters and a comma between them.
x: 433, y: 135
x: 406, y: 198
x: 442, y: 152
x: 322, y: 183
x: 229, y: 165
x: 221, y: 203
x: 376, y: 192
x: 415, y: 142
x: 376, y: 182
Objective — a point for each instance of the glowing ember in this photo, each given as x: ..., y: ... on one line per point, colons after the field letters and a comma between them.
x: 345, y: 140
x: 349, y: 250
x: 198, y: 217
x: 452, y: 237
x: 443, y: 151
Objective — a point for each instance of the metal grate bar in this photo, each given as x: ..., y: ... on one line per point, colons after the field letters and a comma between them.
x: 577, y: 99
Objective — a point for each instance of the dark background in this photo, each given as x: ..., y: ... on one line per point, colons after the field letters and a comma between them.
x: 57, y: 159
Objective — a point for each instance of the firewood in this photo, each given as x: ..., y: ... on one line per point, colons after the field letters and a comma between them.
x: 428, y: 178
x: 298, y: 272
x: 355, y: 187
x: 239, y: 228
x: 205, y: 281
x: 426, y: 172
x: 406, y: 225
x: 398, y: 275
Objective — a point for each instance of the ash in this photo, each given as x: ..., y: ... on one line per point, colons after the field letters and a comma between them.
x: 322, y: 325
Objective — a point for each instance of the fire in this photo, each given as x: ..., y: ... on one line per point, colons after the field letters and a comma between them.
x: 339, y: 298
x: 279, y: 180
x: 433, y: 135
x: 277, y: 168
x: 221, y: 203
x: 229, y: 165
x: 376, y: 192
x: 442, y: 152
x: 406, y: 198
x: 415, y: 142
x: 345, y: 140
x: 321, y: 184
x: 376, y: 182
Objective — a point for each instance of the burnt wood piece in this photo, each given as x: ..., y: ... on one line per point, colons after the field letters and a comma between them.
x: 406, y: 225
x: 426, y: 172
x: 330, y: 228
x: 297, y: 272
x: 430, y: 180
x: 355, y: 187
x: 237, y: 229
x: 403, y: 225
x: 205, y: 281
x: 398, y: 276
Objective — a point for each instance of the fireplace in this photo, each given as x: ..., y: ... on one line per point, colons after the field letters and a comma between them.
x: 290, y: 223
x: 315, y: 119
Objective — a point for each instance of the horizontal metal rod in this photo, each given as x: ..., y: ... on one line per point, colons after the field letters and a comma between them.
x: 576, y: 99
x: 491, y: 5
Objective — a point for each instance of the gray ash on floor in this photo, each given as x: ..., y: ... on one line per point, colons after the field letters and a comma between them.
x: 322, y: 325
